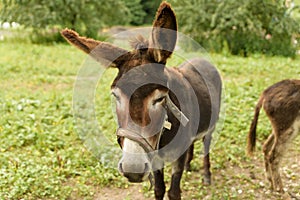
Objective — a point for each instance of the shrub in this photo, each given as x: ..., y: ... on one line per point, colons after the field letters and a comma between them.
x: 84, y: 16
x: 244, y: 27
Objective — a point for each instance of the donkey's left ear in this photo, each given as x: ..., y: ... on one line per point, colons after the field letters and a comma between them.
x: 164, y: 34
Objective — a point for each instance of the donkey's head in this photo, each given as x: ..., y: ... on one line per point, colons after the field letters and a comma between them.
x: 140, y: 89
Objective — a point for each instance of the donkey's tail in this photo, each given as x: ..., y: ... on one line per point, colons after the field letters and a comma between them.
x: 252, y: 131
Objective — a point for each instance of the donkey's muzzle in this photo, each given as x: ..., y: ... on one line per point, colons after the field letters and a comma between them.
x: 135, y: 176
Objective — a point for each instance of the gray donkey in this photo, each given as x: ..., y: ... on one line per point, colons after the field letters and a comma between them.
x: 160, y: 111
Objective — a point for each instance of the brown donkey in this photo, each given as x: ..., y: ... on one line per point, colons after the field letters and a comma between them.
x: 160, y: 111
x: 281, y: 103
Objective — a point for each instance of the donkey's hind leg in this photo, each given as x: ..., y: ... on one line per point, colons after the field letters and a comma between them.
x: 266, y: 149
x: 189, y: 158
x: 206, y: 162
x: 277, y: 152
x: 274, y: 157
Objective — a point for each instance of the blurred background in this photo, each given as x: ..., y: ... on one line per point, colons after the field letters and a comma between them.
x: 238, y: 27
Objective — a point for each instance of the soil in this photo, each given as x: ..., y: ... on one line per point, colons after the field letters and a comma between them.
x: 134, y: 191
x: 232, y: 182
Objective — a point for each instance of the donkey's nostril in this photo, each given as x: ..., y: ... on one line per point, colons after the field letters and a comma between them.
x: 134, y: 174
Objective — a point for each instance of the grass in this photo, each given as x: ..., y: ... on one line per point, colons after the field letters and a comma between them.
x: 42, y: 157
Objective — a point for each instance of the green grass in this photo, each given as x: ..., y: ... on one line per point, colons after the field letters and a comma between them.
x: 41, y: 155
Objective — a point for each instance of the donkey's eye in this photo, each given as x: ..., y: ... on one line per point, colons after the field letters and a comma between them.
x: 159, y: 100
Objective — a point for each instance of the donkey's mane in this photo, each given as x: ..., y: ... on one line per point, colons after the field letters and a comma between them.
x: 139, y: 42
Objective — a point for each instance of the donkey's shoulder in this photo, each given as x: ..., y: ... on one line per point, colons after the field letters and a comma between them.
x: 199, y: 65
x: 198, y: 70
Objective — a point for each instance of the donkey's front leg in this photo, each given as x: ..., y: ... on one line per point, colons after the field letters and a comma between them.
x: 159, y: 185
x: 189, y: 158
x: 177, y: 169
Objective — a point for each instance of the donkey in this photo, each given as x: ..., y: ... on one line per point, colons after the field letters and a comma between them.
x: 160, y: 111
x: 281, y: 103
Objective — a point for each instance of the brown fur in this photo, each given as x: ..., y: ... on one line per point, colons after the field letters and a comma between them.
x: 139, y: 43
x: 161, y: 35
x: 281, y: 103
x: 101, y: 51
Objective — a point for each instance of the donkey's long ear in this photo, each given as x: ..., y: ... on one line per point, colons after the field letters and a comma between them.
x: 164, y: 33
x: 101, y: 51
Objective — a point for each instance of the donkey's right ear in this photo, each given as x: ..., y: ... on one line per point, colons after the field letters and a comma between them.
x: 101, y: 51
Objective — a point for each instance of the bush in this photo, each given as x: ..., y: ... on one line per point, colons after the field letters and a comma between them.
x: 137, y: 13
x: 149, y: 8
x: 86, y: 17
x: 244, y: 27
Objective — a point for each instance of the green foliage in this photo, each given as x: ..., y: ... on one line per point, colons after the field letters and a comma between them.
x: 242, y: 27
x: 195, y: 20
x: 46, y: 18
x: 84, y: 16
x: 137, y: 13
x: 142, y: 11
x: 150, y: 8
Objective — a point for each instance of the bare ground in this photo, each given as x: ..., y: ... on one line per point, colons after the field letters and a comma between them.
x: 243, y: 181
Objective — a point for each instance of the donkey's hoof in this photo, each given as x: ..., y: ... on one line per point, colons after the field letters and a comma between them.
x: 280, y: 190
x: 206, y: 181
x: 174, y: 196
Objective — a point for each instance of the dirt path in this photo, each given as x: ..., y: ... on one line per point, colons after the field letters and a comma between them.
x: 134, y: 191
x: 244, y: 181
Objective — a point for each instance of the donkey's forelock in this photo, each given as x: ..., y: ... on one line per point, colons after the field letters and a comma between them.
x: 139, y: 43
x: 152, y: 75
